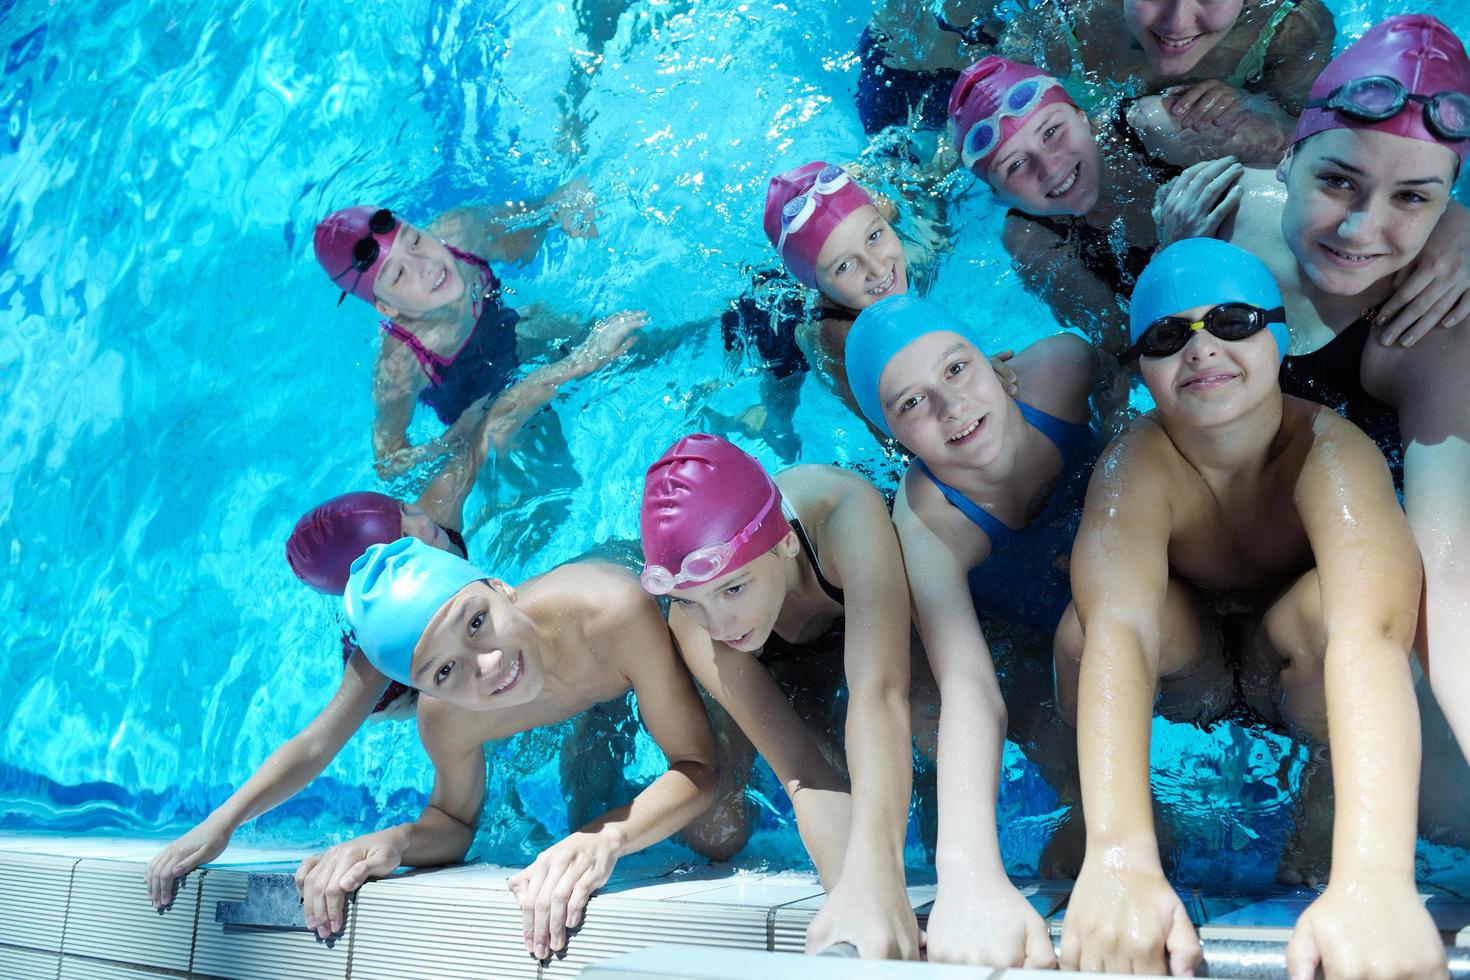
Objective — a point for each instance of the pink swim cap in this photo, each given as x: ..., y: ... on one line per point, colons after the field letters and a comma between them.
x: 704, y: 491
x: 1416, y: 50
x: 337, y: 235
x: 804, y: 245
x: 332, y: 535
x: 987, y: 90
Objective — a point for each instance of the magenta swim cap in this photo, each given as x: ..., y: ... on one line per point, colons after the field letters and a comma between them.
x: 990, y: 91
x: 332, y: 535
x: 704, y: 491
x: 803, y: 245
x: 337, y: 235
x: 1417, y: 51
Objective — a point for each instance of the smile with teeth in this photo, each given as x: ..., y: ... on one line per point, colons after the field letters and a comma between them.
x: 966, y: 430
x: 1067, y: 184
x: 1349, y: 256
x: 1176, y: 42
x: 515, y: 675
x: 886, y: 284
x: 443, y: 275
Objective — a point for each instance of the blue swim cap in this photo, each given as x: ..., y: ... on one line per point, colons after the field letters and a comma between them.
x: 1203, y: 272
x: 393, y: 591
x: 884, y: 329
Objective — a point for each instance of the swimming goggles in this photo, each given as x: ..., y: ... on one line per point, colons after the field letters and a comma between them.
x: 365, y: 250
x: 1020, y: 99
x: 1379, y: 97
x: 799, y: 210
x: 705, y: 563
x: 1228, y: 321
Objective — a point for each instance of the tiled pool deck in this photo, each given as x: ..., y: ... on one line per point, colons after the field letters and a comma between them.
x: 76, y: 907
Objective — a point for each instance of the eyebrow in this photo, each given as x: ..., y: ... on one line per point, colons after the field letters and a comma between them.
x: 1416, y: 182
x: 938, y: 361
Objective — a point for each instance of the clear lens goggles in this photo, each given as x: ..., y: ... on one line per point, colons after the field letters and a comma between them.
x: 705, y: 563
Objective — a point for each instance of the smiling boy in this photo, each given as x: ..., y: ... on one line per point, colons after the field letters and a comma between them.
x: 1227, y: 486
x: 492, y: 661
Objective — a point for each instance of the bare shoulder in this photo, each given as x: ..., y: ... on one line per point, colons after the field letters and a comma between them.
x: 603, y: 593
x: 1025, y: 239
x: 925, y: 519
x: 1142, y: 461
x: 1339, y: 452
x: 816, y: 489
x: 1309, y: 24
x: 447, y: 731
x: 1056, y: 374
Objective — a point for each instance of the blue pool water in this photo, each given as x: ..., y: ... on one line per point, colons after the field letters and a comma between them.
x: 178, y: 386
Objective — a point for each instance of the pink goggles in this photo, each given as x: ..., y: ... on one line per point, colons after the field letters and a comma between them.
x: 703, y: 564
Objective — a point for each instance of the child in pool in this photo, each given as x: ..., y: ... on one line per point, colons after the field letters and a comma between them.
x: 1229, y: 487
x: 985, y: 516
x: 321, y: 549
x: 1235, y: 73
x: 833, y: 237
x: 758, y: 569
x: 493, y: 661
x: 1081, y: 226
x: 1358, y: 201
x: 449, y: 338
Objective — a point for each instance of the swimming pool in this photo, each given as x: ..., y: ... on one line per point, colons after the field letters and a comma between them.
x: 179, y: 388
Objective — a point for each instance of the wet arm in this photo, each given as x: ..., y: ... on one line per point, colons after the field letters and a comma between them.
x: 395, y: 390
x: 303, y: 757
x: 863, y: 548
x: 742, y: 686
x: 972, y: 721
x: 1369, y: 570
x: 446, y: 828
x: 671, y: 710
x: 1301, y: 49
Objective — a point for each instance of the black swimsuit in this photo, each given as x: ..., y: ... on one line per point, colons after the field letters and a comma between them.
x: 1095, y: 249
x: 1332, y: 375
x: 777, y: 648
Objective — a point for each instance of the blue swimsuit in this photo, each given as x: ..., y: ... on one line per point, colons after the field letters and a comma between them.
x: 1025, y: 580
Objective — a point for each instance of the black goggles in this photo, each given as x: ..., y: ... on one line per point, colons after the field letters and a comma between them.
x: 365, y: 250
x: 1379, y: 97
x: 1228, y: 321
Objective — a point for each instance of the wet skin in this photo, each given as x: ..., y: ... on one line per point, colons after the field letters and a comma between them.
x: 862, y: 261
x: 1051, y: 166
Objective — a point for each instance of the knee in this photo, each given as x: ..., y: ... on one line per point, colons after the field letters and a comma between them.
x: 720, y: 834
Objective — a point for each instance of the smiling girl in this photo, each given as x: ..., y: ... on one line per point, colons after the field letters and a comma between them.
x: 759, y: 569
x: 449, y: 337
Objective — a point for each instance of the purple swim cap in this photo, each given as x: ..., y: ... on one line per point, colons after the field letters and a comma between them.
x: 337, y: 236
x: 704, y: 491
x: 1418, y: 52
x: 990, y: 91
x: 804, y: 244
x: 332, y: 535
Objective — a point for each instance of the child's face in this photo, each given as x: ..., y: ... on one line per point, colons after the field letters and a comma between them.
x: 943, y: 402
x: 862, y: 261
x: 479, y: 651
x: 1361, y: 204
x: 740, y: 609
x: 1212, y: 381
x: 1051, y: 165
x: 418, y: 276
x: 418, y: 524
x: 1176, y: 34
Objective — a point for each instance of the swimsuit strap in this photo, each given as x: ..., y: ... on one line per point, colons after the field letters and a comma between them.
x: 836, y: 313
x: 456, y: 539
x: 810, y: 550
x: 1252, y: 64
x: 469, y: 257
x: 999, y: 534
x: 428, y: 360
x: 1063, y: 434
x: 1066, y: 436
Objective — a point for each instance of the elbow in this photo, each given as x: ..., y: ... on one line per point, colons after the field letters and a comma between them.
x: 703, y: 777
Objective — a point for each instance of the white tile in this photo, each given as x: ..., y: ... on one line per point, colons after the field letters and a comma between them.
x: 248, y: 953
x: 27, y: 963
x: 110, y: 917
x: 33, y: 907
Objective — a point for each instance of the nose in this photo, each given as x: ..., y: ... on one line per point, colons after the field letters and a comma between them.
x: 1360, y: 224
x: 1202, y: 345
x: 486, y: 664
x: 952, y: 404
x: 1174, y: 19
x: 875, y: 267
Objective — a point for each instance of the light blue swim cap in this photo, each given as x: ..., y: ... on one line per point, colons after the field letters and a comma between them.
x: 1203, y: 272
x: 884, y: 329
x: 393, y: 591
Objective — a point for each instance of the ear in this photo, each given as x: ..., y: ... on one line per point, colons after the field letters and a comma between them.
x: 503, y: 587
x: 790, y: 547
x: 1285, y: 164
x: 386, y: 310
